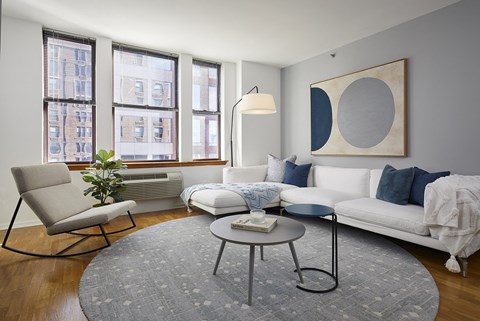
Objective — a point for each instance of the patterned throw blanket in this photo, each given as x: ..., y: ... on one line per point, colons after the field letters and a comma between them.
x: 452, y: 212
x: 257, y: 196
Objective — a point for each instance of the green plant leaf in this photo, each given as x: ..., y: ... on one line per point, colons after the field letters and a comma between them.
x: 104, y: 177
x: 87, y: 179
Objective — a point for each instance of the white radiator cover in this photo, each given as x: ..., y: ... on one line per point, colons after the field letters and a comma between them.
x: 152, y: 185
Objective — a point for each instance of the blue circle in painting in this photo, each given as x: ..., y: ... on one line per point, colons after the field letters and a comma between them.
x: 366, y: 111
x: 321, y: 118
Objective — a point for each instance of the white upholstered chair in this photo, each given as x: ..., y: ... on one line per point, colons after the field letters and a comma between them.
x: 61, y: 206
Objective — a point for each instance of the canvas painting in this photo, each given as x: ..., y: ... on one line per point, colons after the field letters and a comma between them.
x: 362, y: 113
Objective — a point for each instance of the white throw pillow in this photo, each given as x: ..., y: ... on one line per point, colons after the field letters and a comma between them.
x: 276, y: 168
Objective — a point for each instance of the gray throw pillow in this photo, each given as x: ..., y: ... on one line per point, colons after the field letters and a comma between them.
x: 276, y: 168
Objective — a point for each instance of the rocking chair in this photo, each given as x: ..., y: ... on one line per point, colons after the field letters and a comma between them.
x: 61, y: 206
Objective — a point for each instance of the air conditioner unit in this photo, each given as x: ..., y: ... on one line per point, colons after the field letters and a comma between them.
x: 152, y: 185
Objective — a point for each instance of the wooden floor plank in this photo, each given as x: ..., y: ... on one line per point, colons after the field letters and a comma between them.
x: 34, y: 289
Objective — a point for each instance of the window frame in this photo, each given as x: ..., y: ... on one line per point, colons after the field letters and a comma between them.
x: 46, y: 34
x: 218, y: 112
x: 174, y: 95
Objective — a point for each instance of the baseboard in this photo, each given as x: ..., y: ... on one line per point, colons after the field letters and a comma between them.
x: 21, y: 224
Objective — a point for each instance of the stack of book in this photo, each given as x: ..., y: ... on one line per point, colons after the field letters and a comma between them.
x: 245, y: 223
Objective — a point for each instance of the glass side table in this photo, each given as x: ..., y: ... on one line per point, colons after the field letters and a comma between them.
x: 315, y: 210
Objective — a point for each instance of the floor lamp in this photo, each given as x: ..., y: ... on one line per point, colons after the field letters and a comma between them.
x: 254, y: 104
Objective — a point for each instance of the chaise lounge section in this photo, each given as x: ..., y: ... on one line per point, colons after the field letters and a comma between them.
x: 223, y: 201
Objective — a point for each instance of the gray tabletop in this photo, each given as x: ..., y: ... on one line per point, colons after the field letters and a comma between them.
x: 287, y: 230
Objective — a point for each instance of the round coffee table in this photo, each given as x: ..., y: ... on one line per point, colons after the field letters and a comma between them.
x: 286, y: 231
x: 315, y: 210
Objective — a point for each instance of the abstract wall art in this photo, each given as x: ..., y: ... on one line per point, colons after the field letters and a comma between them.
x: 362, y: 113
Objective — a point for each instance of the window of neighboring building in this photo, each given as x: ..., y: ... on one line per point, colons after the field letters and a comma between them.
x: 206, y: 110
x: 139, y: 131
x: 144, y: 104
x: 69, y: 97
x: 158, y: 133
x: 55, y: 148
x: 139, y: 88
x: 53, y: 116
x: 81, y: 132
x: 54, y: 132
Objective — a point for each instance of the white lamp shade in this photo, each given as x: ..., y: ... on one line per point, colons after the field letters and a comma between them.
x: 259, y: 104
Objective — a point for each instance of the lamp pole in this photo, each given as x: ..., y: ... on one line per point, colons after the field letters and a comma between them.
x: 231, y: 124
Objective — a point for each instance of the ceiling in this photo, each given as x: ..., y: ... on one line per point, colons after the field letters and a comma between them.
x: 273, y: 32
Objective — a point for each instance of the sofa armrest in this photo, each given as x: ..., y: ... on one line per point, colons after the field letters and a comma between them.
x: 248, y: 174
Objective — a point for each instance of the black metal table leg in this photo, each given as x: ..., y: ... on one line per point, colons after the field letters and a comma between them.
x: 334, y: 273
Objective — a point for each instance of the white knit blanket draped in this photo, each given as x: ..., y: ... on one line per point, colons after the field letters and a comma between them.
x: 256, y: 196
x: 452, y: 212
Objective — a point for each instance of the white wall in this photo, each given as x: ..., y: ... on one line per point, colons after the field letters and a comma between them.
x: 260, y: 134
x: 443, y: 81
x: 21, y: 105
x: 185, y: 63
x: 228, y: 79
x: 21, y: 101
x: 103, y: 93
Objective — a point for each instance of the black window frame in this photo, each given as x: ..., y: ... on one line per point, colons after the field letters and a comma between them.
x: 49, y: 33
x: 218, y: 112
x: 174, y: 92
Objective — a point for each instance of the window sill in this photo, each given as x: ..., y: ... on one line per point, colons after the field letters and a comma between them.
x: 131, y: 165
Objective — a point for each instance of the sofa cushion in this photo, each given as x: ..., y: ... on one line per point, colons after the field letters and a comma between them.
x: 276, y: 168
x: 226, y: 198
x: 348, y: 180
x: 315, y: 195
x: 408, y: 218
x: 375, y: 175
x: 395, y: 185
x: 420, y: 181
x: 247, y: 174
x: 296, y: 174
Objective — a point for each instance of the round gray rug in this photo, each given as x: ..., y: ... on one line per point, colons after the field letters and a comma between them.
x: 164, y: 272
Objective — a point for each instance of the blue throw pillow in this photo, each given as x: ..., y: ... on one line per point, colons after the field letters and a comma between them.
x: 420, y: 181
x: 395, y: 185
x: 296, y: 174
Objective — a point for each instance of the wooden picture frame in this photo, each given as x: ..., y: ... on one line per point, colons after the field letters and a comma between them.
x: 362, y: 113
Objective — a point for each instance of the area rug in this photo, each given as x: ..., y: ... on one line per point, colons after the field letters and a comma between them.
x: 164, y: 272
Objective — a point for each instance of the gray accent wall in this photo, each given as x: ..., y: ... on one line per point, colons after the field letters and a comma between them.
x: 258, y: 135
x: 443, y: 91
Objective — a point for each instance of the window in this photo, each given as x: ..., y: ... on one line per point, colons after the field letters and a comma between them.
x: 54, y: 132
x: 206, y: 110
x: 139, y: 88
x: 55, y: 148
x: 158, y: 133
x: 144, y: 104
x: 53, y: 116
x: 81, y: 131
x: 139, y: 132
x: 69, y: 99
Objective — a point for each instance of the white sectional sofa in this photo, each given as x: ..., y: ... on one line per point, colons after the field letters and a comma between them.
x: 350, y: 191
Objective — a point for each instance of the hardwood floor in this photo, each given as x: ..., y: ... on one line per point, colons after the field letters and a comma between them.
x: 40, y: 289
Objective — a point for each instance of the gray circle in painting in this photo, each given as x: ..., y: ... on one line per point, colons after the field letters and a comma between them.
x: 365, y: 112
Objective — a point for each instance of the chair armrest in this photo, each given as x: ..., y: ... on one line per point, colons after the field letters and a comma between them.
x: 248, y: 174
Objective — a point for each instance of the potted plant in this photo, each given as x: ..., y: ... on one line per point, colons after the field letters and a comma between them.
x: 104, y: 177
